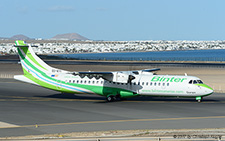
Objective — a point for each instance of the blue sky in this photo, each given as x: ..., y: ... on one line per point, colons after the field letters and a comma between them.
x: 115, y: 19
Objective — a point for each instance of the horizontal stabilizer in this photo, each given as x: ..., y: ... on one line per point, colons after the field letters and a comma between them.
x: 24, y: 79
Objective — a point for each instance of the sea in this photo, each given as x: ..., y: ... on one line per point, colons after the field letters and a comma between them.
x: 181, y: 55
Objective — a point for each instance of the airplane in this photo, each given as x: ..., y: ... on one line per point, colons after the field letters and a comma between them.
x: 113, y: 85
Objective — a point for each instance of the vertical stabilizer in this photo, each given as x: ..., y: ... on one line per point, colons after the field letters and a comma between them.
x: 29, y: 58
x: 38, y: 72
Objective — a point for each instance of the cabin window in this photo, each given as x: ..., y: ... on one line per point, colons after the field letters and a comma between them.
x: 151, y: 84
x: 168, y: 84
x: 155, y: 84
x: 159, y: 84
x: 96, y: 82
x: 93, y: 82
x: 138, y: 83
x: 143, y: 83
x: 134, y: 83
x: 81, y: 81
x: 77, y: 81
x: 146, y: 83
x: 101, y: 82
x: 163, y: 84
x: 114, y: 83
x: 89, y: 82
x: 74, y: 81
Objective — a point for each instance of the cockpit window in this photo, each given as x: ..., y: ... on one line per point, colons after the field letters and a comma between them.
x: 200, y: 82
x: 195, y: 82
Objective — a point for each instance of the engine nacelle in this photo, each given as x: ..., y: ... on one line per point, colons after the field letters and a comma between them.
x: 120, y: 77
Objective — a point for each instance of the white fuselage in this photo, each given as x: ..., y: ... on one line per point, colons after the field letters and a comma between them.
x: 146, y: 84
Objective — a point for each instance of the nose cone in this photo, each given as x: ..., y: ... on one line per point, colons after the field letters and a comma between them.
x: 207, y: 90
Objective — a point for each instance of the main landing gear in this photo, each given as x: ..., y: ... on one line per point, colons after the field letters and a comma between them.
x: 112, y: 98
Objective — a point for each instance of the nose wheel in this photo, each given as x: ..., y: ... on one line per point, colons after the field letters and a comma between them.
x: 199, y: 99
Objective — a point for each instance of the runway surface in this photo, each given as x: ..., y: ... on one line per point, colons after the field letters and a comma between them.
x: 31, y: 110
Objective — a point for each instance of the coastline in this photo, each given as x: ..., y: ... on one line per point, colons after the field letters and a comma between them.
x: 55, y: 58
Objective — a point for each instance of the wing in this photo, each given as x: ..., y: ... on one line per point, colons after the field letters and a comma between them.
x: 96, y: 75
x: 151, y: 70
x: 145, y: 70
x: 120, y: 76
x: 110, y: 76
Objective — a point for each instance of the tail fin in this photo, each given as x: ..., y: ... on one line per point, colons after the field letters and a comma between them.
x: 29, y: 58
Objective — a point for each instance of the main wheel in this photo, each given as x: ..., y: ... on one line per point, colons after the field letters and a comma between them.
x: 110, y: 98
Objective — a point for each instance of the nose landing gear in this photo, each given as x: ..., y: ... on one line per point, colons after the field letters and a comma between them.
x: 199, y: 99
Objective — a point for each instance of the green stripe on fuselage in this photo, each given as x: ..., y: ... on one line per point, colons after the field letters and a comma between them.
x: 46, y: 85
x: 204, y: 85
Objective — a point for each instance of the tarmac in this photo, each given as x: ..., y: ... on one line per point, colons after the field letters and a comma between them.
x: 30, y: 110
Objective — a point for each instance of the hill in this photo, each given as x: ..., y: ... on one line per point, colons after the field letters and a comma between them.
x: 19, y: 37
x: 69, y: 36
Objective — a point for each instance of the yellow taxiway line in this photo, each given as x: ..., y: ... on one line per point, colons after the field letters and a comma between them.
x: 114, y: 121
